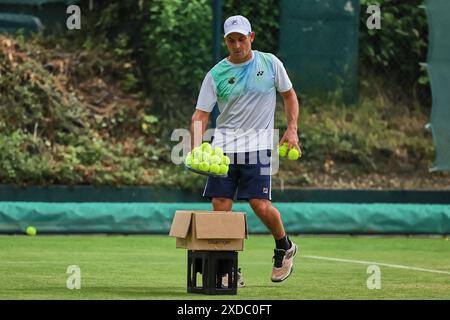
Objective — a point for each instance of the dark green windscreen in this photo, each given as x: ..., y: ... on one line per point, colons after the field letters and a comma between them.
x: 319, y: 46
x: 438, y: 66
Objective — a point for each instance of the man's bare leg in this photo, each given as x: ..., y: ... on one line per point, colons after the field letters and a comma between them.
x: 270, y: 216
x: 222, y: 204
x: 285, y: 249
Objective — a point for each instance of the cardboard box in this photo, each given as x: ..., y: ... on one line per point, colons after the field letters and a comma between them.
x: 209, y: 230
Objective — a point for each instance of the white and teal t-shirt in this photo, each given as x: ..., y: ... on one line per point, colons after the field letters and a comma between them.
x: 246, y: 97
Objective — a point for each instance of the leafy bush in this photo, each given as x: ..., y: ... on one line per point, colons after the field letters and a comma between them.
x: 33, y: 101
x: 371, y: 134
x: 162, y: 50
x: 48, y: 135
x: 171, y: 43
x: 177, y: 51
x: 394, y: 52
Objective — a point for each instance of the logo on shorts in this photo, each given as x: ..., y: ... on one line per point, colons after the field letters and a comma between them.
x: 260, y: 73
x: 265, y: 190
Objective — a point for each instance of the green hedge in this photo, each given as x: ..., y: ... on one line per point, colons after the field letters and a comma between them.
x: 162, y: 50
x: 395, y: 51
x: 172, y: 40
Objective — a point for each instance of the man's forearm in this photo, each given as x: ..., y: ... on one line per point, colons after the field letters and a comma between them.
x: 198, y: 128
x: 291, y: 107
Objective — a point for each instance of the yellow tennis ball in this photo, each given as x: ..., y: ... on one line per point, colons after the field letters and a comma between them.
x: 215, y: 159
x: 31, y: 231
x: 198, y: 153
x: 204, y: 166
x: 283, y: 150
x: 214, y: 168
x: 225, y: 160
x: 223, y: 169
x: 188, y: 159
x: 206, y: 156
x: 218, y: 151
x: 293, y: 154
x: 206, y: 147
x: 195, y: 163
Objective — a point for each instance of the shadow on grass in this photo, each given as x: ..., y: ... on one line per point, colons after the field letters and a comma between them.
x: 139, y: 292
x: 98, y: 293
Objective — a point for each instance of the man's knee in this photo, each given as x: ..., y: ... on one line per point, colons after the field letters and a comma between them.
x: 260, y: 206
x: 222, y: 204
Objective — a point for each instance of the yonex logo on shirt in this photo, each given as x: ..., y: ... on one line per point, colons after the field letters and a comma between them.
x: 260, y: 73
x: 232, y: 80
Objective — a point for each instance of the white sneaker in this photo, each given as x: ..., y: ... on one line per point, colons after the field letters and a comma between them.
x: 240, y: 280
x: 283, y: 263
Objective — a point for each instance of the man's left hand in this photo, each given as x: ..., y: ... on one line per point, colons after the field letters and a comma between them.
x: 291, y: 137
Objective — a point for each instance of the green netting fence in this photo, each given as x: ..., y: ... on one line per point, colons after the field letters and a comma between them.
x: 319, y: 46
x: 10, y: 23
x: 438, y: 66
x: 33, y: 15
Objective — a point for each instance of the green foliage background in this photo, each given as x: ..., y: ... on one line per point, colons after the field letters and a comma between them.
x: 393, y: 53
x: 172, y: 42
x: 160, y: 50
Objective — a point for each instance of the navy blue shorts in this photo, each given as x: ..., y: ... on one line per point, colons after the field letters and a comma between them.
x: 249, y: 176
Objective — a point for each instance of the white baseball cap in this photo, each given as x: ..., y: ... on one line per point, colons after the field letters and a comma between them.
x: 238, y: 24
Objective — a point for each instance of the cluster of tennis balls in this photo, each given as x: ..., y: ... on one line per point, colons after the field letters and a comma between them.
x: 207, y: 159
x: 293, y: 153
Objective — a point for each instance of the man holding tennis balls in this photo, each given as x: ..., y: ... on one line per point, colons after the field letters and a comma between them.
x: 244, y: 86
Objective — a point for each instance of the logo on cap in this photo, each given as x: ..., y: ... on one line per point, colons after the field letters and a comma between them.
x: 238, y: 24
